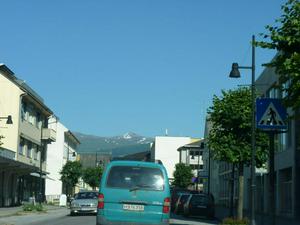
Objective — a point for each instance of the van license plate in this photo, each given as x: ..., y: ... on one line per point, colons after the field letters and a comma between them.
x: 133, y: 207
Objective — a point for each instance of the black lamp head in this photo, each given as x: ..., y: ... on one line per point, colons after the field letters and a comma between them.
x: 235, y: 73
x: 9, y: 120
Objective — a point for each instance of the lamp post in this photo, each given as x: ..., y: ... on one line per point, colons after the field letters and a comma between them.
x: 8, y: 119
x: 235, y: 73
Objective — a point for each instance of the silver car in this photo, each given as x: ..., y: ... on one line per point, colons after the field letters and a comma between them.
x: 84, y: 202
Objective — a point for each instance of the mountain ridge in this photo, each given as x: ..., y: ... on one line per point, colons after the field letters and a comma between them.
x: 119, y: 145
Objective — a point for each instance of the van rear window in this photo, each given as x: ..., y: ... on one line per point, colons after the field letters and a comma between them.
x: 135, y: 178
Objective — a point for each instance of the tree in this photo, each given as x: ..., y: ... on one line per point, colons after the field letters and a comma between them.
x: 285, y: 38
x: 182, y: 175
x: 230, y: 136
x: 92, y: 176
x: 70, y: 174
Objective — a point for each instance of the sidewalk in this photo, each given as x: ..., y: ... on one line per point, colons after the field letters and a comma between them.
x: 260, y: 219
x: 12, y: 211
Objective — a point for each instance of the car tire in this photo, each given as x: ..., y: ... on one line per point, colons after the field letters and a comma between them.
x: 72, y: 214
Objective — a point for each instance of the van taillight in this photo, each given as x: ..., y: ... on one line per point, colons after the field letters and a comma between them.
x: 100, y: 201
x: 166, y: 206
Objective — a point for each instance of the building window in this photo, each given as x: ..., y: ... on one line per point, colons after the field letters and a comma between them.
x: 39, y: 120
x: 22, y: 146
x: 24, y: 111
x: 32, y: 115
x: 29, y: 149
x: 286, y: 199
x: 280, y: 142
x: 35, y: 151
x: 274, y: 93
x: 289, y: 133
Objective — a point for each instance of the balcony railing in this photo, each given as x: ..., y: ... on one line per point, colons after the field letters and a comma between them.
x: 49, y: 135
x: 7, y: 153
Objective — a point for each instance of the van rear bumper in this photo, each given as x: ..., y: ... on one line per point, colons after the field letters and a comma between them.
x: 103, y: 221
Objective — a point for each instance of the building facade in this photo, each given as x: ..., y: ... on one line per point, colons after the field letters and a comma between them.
x: 59, y: 152
x: 287, y: 165
x: 24, y: 149
x: 192, y: 154
x: 165, y: 149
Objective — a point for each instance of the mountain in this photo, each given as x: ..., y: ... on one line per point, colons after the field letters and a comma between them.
x: 128, y: 143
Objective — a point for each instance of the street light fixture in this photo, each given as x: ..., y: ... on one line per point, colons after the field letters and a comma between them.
x: 235, y: 73
x: 9, y: 119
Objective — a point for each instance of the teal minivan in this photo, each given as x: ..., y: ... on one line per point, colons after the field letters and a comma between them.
x: 134, y: 193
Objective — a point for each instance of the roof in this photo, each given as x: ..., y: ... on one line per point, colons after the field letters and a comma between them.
x: 22, y: 85
x: 197, y: 144
x: 72, y: 136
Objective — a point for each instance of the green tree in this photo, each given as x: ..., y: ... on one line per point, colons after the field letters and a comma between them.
x: 230, y: 135
x: 284, y: 37
x: 70, y: 174
x: 182, y: 175
x: 92, y: 176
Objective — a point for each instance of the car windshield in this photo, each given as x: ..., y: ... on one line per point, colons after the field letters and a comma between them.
x: 86, y: 195
x: 135, y: 178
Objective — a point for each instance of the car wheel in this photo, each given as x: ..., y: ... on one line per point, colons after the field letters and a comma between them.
x: 72, y: 213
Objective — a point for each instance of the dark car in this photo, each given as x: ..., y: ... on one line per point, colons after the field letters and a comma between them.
x: 175, y: 195
x: 199, y: 205
x: 180, y: 203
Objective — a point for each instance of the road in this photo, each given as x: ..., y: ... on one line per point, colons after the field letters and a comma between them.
x: 62, y: 217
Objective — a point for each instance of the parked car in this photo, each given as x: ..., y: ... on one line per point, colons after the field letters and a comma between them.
x: 176, y: 192
x: 84, y: 202
x: 180, y: 203
x: 199, y: 205
x: 133, y: 192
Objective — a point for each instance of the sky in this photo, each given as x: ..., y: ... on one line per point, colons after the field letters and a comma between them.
x: 115, y: 66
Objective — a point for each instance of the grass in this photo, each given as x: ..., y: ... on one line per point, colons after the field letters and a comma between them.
x: 234, y: 221
x: 33, y: 208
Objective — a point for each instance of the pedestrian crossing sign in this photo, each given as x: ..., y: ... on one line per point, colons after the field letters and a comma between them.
x: 270, y: 114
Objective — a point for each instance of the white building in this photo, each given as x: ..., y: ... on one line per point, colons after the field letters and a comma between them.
x: 61, y: 151
x: 165, y: 149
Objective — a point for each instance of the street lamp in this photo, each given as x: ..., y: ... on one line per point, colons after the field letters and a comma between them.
x: 9, y: 119
x: 235, y: 73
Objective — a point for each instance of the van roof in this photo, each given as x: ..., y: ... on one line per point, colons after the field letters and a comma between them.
x: 135, y: 163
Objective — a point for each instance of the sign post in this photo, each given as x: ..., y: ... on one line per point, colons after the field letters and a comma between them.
x: 271, y: 117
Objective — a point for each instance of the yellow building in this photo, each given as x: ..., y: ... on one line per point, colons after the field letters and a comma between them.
x: 24, y: 149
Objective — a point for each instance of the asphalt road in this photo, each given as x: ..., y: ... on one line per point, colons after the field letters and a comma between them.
x: 62, y: 217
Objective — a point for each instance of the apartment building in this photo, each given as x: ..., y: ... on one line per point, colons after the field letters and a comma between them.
x: 24, y: 149
x: 191, y: 154
x: 165, y: 149
x: 61, y: 151
x: 287, y: 165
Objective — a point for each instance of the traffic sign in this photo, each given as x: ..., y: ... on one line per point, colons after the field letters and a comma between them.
x: 270, y: 114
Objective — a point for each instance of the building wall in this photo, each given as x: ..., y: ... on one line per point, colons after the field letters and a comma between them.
x: 19, y: 168
x: 9, y: 105
x: 165, y: 149
x: 55, y: 160
x: 286, y: 153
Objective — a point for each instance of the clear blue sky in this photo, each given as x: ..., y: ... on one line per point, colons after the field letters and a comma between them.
x: 108, y: 67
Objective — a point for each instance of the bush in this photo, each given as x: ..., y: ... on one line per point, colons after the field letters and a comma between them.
x: 233, y: 221
x: 28, y: 207
x: 31, y: 207
x: 39, y: 208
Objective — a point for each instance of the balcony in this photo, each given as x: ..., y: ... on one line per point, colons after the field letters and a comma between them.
x: 49, y: 135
